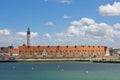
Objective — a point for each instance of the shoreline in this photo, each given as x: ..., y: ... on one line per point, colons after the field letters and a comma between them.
x: 63, y: 60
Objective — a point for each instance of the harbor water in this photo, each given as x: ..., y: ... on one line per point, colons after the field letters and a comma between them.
x: 59, y: 71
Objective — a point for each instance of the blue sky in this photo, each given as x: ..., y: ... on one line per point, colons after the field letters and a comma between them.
x: 60, y: 22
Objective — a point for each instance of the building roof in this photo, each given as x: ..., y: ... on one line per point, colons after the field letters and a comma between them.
x: 4, y: 49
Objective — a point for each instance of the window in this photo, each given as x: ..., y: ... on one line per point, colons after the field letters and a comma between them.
x: 25, y: 50
x: 20, y: 51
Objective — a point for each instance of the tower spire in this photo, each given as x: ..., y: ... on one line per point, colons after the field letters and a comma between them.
x: 28, y: 36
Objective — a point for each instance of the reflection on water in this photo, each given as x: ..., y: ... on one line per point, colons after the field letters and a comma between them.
x: 59, y: 71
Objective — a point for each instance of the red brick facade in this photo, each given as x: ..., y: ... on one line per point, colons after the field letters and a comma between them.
x: 14, y: 51
x: 62, y: 51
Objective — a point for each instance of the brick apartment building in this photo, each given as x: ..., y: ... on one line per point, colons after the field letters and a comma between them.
x: 63, y: 51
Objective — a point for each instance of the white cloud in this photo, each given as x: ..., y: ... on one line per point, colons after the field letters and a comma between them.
x: 117, y: 26
x: 110, y: 10
x: 4, y: 32
x: 47, y: 35
x: 92, y: 28
x: 34, y: 34
x: 65, y: 1
x: 98, y: 30
x: 80, y: 32
x: 88, y: 32
x: 66, y: 17
x: 7, y: 38
x: 49, y: 23
x: 24, y: 34
x: 72, y: 31
x: 83, y: 21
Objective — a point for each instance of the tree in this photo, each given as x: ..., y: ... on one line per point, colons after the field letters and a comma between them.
x: 11, y: 46
x: 24, y: 44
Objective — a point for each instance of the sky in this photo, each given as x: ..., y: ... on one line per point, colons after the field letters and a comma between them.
x: 60, y: 22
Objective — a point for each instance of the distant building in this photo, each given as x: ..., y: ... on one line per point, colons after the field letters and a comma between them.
x: 116, y: 50
x: 63, y: 51
x: 4, y: 50
x: 28, y: 51
x: 4, y: 53
x: 14, y: 51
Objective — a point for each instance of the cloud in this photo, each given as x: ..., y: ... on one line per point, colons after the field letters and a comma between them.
x: 24, y: 34
x: 72, y: 31
x: 34, y: 34
x: 4, y: 32
x: 47, y: 35
x: 87, y: 31
x: 49, y: 23
x: 110, y: 10
x: 59, y: 35
x: 66, y: 17
x: 117, y: 26
x: 83, y: 21
x: 65, y: 1
x: 88, y: 27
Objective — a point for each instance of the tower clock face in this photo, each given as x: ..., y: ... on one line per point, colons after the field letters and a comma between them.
x: 28, y: 32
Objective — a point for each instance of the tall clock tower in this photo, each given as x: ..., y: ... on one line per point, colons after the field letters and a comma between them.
x: 28, y: 37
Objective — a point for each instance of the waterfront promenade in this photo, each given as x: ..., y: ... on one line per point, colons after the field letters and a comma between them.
x: 109, y: 60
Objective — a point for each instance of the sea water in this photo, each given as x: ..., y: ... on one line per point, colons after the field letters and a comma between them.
x: 59, y: 71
